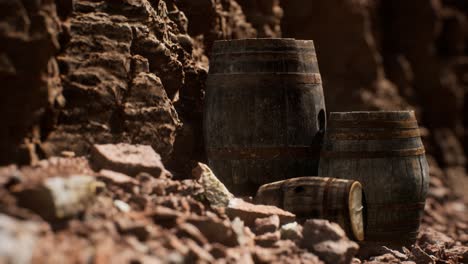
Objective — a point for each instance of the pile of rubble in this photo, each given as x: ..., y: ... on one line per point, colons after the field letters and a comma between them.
x: 122, y: 206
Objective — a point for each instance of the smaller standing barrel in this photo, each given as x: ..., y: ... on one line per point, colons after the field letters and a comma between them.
x: 337, y: 200
x: 382, y: 150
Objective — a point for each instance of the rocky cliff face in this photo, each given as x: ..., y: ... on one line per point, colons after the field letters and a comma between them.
x: 124, y: 67
x: 389, y: 55
x: 110, y: 61
x: 28, y: 73
x: 264, y: 15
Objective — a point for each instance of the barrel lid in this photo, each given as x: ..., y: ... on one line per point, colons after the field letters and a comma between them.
x: 405, y: 115
x: 261, y: 45
x: 355, y: 207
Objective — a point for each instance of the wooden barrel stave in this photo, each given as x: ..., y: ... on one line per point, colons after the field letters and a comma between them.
x: 392, y: 170
x: 265, y: 110
x: 265, y: 63
x: 263, y: 102
x: 262, y: 45
x: 245, y: 176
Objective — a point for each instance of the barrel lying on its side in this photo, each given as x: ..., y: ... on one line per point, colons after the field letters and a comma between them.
x: 383, y: 151
x: 264, y: 110
x: 337, y: 200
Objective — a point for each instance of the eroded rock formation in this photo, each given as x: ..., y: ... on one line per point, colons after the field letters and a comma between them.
x: 125, y: 66
x: 29, y: 75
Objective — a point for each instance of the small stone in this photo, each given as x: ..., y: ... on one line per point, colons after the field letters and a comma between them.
x: 10, y: 175
x: 420, y: 257
x: 291, y: 231
x: 431, y: 236
x: 59, y: 197
x: 164, y: 213
x: 164, y: 216
x: 460, y: 252
x: 328, y: 241
x: 265, y: 225
x: 18, y: 240
x: 122, y: 206
x: 341, y: 251
x: 139, y: 64
x: 386, y: 258
x: 215, y: 230
x: 116, y: 178
x: 268, y: 239
x: 189, y: 230
x: 176, y: 244
x: 138, y: 228
x: 198, y: 252
x: 128, y: 159
x: 218, y: 251
x: 139, y: 201
x: 215, y: 191
x: 68, y: 154
x: 248, y: 212
x: 136, y: 244
x: 240, y: 255
x: 396, y: 253
x: 243, y: 233
x: 186, y: 42
x: 263, y: 255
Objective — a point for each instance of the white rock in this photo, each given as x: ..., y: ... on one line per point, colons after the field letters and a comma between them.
x: 122, y: 206
x: 215, y: 191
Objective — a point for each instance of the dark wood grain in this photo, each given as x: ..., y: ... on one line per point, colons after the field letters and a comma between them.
x: 312, y: 197
x: 262, y: 104
x: 391, y: 167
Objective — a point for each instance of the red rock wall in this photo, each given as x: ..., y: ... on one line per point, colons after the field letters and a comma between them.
x: 392, y: 55
x: 134, y: 71
x: 264, y: 15
x: 131, y: 71
x: 120, y: 69
x: 28, y: 74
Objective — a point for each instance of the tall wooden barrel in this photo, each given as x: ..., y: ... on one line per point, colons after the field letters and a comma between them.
x: 383, y: 151
x: 264, y: 110
x: 337, y: 200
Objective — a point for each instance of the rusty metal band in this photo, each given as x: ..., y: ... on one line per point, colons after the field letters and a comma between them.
x: 297, y: 52
x: 397, y: 206
x: 268, y: 55
x: 261, y: 153
x: 373, y: 154
x: 398, y: 237
x: 346, y: 213
x: 373, y: 135
x: 390, y: 228
x: 325, y: 197
x: 403, y: 225
x: 306, y: 78
x: 411, y: 123
x: 281, y: 189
